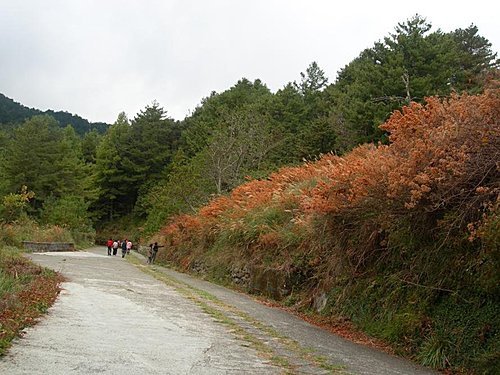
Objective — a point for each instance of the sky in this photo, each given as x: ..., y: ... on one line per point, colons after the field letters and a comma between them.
x: 97, y: 58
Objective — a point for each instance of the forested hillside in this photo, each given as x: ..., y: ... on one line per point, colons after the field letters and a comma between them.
x: 12, y: 113
x: 400, y: 239
x: 372, y: 199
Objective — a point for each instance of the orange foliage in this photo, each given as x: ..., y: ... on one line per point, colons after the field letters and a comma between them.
x: 445, y: 149
x: 22, y: 307
x: 269, y: 239
x: 442, y: 153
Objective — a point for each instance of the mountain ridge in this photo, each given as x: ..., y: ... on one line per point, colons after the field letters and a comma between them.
x: 12, y: 113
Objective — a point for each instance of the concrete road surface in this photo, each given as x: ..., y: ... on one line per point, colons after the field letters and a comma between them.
x: 123, y: 317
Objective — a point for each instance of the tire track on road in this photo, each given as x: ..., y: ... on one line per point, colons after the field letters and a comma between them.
x: 279, y: 349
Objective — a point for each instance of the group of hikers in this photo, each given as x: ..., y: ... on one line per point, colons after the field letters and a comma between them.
x: 114, y: 245
x: 126, y: 246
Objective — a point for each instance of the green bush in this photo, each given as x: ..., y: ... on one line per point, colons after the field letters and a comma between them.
x: 28, y: 230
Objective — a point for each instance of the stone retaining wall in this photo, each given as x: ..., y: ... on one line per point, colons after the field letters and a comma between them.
x: 48, y: 246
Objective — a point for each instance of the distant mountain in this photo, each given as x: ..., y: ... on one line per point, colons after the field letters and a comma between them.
x: 12, y: 113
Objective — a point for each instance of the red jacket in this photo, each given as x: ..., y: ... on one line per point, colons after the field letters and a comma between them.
x: 110, y: 243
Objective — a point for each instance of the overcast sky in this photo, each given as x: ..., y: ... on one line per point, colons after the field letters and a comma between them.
x: 96, y: 58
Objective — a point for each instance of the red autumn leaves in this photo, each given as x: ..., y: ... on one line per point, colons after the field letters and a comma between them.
x: 442, y: 155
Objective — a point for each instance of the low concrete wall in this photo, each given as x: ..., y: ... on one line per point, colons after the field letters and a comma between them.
x: 48, y: 246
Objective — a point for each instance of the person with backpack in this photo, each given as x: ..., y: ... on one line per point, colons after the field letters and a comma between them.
x: 154, y: 250
x: 124, y: 248
x: 109, y: 244
x: 115, y: 247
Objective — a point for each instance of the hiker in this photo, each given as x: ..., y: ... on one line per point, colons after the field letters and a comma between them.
x: 115, y: 247
x: 124, y: 248
x: 109, y: 244
x: 154, y: 250
x: 129, y: 246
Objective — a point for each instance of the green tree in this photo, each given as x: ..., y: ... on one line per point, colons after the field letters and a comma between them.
x: 71, y: 212
x: 45, y: 158
x: 186, y: 188
x: 289, y: 113
x: 408, y: 65
x: 475, y: 57
x: 312, y: 81
x: 241, y: 144
x: 153, y: 140
x: 68, y: 211
x: 89, y: 145
x: 288, y: 108
x: 199, y: 127
x: 4, y: 139
x: 111, y: 177
x: 229, y: 135
x: 131, y: 158
x: 303, y: 111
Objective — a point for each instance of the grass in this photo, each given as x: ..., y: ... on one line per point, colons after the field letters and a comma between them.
x: 433, y: 353
x: 14, y: 234
x: 26, y: 292
x: 7, y: 284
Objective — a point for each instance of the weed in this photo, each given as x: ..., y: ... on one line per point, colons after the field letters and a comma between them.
x: 26, y: 291
x: 434, y: 353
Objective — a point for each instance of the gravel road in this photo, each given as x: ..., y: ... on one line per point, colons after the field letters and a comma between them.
x: 123, y: 317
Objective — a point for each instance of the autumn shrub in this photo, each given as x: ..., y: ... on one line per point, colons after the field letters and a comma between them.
x: 26, y: 229
x: 9, y: 256
x: 26, y: 291
x: 399, y: 237
x: 13, y: 206
x: 441, y: 187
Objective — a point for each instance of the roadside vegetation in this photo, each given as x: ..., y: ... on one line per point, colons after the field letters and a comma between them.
x: 399, y: 239
x: 26, y: 292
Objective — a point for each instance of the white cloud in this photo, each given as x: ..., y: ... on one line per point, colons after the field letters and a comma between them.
x: 98, y: 58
